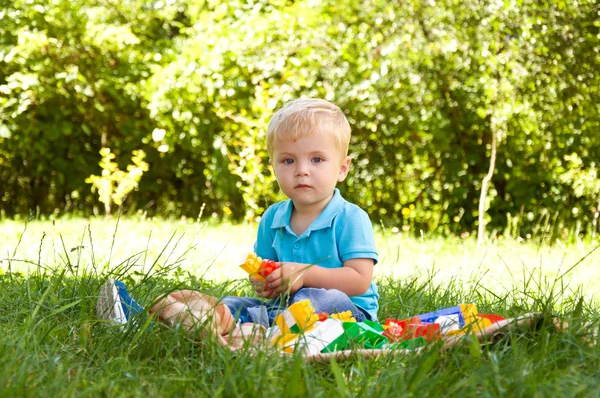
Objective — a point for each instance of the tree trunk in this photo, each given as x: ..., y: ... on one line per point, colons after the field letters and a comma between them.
x: 485, y: 184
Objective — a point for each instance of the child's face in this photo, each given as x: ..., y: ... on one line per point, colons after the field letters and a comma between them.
x: 308, y: 169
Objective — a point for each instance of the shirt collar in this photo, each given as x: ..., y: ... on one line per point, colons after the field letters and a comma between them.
x: 284, y: 213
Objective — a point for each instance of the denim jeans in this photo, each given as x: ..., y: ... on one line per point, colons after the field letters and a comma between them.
x: 246, y: 309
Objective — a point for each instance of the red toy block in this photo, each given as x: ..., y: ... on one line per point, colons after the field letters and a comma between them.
x: 413, y: 327
x: 405, y: 323
x: 429, y: 331
x: 266, y: 267
x: 492, y: 317
x: 393, y: 332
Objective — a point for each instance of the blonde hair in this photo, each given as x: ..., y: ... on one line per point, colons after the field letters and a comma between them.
x: 305, y: 117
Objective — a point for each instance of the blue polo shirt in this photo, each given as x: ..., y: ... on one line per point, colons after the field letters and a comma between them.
x: 342, y: 232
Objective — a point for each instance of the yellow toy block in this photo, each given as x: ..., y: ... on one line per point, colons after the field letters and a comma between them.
x: 304, y: 314
x: 285, y: 340
x: 345, y: 316
x: 473, y: 323
x: 480, y: 324
x: 469, y: 313
x: 252, y: 265
x: 285, y: 321
x: 299, y: 318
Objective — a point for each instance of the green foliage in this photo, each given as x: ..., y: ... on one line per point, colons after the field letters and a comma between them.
x: 585, y: 181
x: 193, y: 84
x: 71, y: 87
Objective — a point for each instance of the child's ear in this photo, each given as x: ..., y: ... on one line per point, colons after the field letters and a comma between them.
x: 344, y: 169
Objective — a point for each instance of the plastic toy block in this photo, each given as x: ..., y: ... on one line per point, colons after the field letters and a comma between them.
x: 430, y: 317
x: 345, y: 316
x: 429, y: 331
x: 483, y: 321
x: 448, y: 323
x: 412, y: 328
x: 340, y: 343
x: 284, y: 335
x: 266, y: 267
x: 320, y: 337
x: 365, y: 334
x: 405, y: 323
x: 252, y: 265
x: 285, y: 322
x: 323, y: 316
x: 469, y: 312
x: 257, y: 267
x: 393, y: 332
x: 304, y: 314
x: 477, y: 326
x: 471, y: 321
x: 285, y: 341
x: 376, y: 326
x: 358, y: 332
x: 492, y: 317
x: 370, y: 335
x: 298, y: 317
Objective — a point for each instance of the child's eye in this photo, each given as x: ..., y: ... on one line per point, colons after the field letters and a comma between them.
x: 287, y: 161
x: 317, y: 159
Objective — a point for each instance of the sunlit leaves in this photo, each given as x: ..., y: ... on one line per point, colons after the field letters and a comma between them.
x: 193, y: 83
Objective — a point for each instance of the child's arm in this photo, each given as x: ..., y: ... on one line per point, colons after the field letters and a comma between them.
x: 353, y: 278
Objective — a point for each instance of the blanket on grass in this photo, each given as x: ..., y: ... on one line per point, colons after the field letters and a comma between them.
x: 319, y: 339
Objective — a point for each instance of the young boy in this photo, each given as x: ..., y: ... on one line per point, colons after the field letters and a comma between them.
x: 324, y: 244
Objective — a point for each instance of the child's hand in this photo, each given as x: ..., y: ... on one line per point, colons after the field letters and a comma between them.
x: 288, y: 278
x: 261, y: 288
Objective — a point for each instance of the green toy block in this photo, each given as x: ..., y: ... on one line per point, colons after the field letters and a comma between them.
x: 376, y: 326
x: 368, y: 334
x: 338, y: 344
x: 361, y: 332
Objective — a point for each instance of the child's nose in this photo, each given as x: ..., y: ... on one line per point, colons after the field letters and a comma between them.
x: 301, y: 169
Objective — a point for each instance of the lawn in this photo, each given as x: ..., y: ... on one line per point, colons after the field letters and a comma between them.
x: 52, y: 345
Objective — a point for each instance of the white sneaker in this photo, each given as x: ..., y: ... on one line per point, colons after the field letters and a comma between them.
x: 110, y: 306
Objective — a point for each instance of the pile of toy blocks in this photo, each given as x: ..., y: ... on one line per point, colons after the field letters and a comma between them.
x: 299, y: 328
x: 257, y: 267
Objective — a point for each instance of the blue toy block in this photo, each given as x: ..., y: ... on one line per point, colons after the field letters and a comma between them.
x: 430, y: 317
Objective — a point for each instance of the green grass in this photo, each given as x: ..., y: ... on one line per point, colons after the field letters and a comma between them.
x: 51, y: 344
